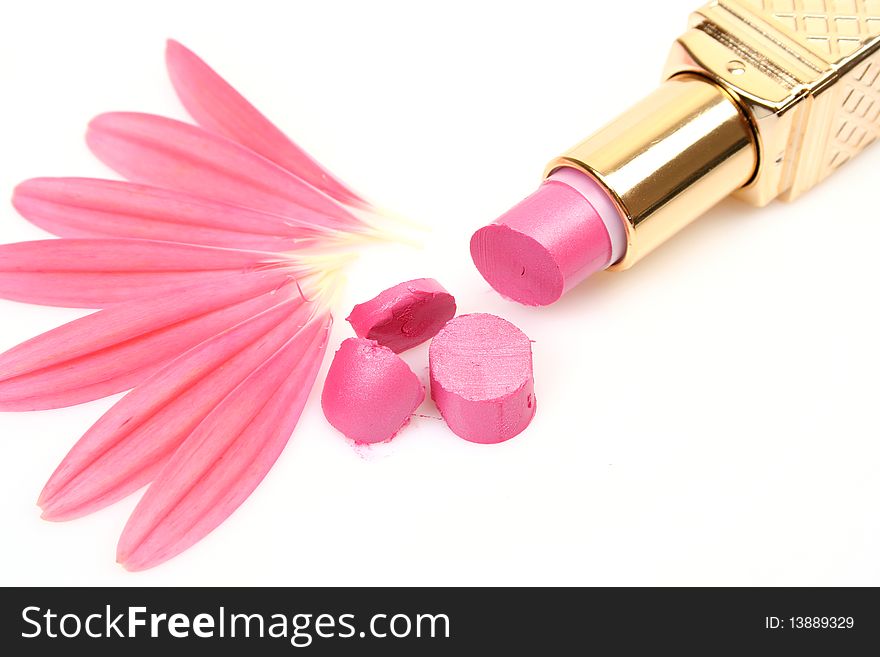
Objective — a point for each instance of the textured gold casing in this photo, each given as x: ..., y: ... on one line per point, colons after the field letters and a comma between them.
x: 763, y: 97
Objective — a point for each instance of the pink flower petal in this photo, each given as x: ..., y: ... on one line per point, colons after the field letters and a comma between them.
x: 154, y: 150
x: 214, y: 104
x: 89, y: 207
x: 128, y: 446
x: 93, y: 273
x: 116, y: 348
x: 226, y: 456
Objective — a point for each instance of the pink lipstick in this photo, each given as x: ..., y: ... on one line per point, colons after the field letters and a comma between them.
x: 753, y: 103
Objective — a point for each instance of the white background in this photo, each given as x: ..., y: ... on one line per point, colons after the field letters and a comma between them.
x: 708, y: 417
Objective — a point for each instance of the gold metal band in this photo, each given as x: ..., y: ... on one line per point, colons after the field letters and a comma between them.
x: 762, y: 98
x: 668, y: 159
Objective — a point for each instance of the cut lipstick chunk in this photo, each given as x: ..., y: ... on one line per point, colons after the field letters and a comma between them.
x: 544, y: 245
x: 481, y: 378
x: 405, y: 315
x: 370, y: 393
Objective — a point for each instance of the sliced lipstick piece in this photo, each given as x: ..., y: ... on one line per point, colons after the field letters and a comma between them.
x: 405, y: 315
x: 551, y: 241
x: 369, y: 393
x: 481, y: 378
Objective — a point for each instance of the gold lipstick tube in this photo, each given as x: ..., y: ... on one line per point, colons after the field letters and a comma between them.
x: 761, y: 98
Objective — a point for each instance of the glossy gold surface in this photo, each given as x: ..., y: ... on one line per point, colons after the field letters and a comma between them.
x: 669, y: 159
x: 809, y: 79
x: 763, y: 98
